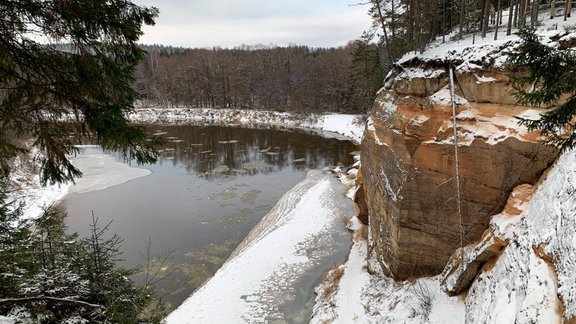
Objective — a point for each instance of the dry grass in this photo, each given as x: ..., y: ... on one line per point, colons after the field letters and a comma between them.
x: 347, y: 222
x: 361, y: 233
x: 331, y: 282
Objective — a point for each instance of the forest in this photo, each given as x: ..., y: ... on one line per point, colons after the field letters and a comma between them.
x: 304, y: 79
x: 296, y: 78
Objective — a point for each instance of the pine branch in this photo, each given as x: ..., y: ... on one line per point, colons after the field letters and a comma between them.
x: 19, y: 301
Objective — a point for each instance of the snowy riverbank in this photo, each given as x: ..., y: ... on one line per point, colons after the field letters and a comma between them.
x: 340, y: 125
x: 263, y: 279
x: 301, y: 232
x: 100, y: 171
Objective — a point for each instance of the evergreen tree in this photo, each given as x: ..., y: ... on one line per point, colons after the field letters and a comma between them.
x: 367, y: 72
x: 14, y: 244
x: 57, y: 95
x: 547, y: 78
x: 53, y: 277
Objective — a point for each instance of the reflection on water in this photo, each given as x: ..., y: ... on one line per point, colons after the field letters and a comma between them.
x: 240, y: 151
x: 210, y: 187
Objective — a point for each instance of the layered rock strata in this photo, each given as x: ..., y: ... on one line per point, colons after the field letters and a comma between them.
x: 409, y: 165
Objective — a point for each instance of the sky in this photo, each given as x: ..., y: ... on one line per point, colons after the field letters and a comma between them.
x: 230, y: 23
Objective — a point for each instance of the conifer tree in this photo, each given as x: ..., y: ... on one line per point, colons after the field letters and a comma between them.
x: 368, y: 73
x: 57, y: 94
x: 50, y: 276
x: 547, y: 78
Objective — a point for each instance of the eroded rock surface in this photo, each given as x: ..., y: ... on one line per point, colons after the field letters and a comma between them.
x: 409, y: 166
x: 465, y: 263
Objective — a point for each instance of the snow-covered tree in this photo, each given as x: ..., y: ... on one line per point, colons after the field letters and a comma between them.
x: 547, y: 78
x: 87, y: 83
x: 52, y: 276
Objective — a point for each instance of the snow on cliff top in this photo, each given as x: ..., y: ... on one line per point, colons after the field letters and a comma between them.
x: 474, y: 50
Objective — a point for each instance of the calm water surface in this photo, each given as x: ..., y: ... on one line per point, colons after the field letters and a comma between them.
x: 210, y: 187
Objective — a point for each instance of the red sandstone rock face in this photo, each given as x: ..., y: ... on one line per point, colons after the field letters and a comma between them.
x: 409, y: 166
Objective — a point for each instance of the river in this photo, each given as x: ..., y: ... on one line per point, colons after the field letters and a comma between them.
x: 209, y: 188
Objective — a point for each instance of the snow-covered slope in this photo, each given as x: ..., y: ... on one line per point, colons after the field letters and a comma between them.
x: 260, y: 281
x: 539, y: 263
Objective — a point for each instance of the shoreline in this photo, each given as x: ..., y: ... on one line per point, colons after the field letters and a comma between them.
x: 343, y: 126
x: 349, y: 127
x: 289, y: 250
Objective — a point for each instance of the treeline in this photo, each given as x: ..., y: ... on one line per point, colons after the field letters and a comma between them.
x: 344, y: 79
x: 297, y: 78
x: 409, y: 25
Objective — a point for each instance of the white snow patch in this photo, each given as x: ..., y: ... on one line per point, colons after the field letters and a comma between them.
x: 101, y: 171
x: 443, y: 98
x: 484, y: 79
x: 419, y: 120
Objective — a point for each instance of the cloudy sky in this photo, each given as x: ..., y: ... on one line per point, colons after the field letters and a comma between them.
x: 229, y: 23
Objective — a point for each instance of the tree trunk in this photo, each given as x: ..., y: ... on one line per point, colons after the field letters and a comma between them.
x: 522, y: 14
x: 510, y: 18
x: 498, y: 19
x: 534, y: 16
x: 486, y: 18
x: 462, y: 16
x: 516, y: 12
x: 383, y: 25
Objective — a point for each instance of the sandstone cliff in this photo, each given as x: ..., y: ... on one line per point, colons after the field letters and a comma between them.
x: 408, y: 161
x: 516, y: 261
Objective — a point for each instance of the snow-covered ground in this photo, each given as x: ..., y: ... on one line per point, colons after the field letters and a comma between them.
x: 363, y: 294
x: 259, y: 279
x: 339, y: 125
x: 473, y: 50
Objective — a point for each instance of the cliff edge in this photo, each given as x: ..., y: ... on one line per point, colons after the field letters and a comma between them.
x: 408, y: 153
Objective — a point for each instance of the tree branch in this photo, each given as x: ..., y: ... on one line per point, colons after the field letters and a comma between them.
x: 18, y: 301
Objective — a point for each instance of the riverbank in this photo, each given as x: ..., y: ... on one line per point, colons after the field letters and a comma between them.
x: 37, y: 197
x: 100, y: 171
x: 267, y: 277
x: 328, y: 125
